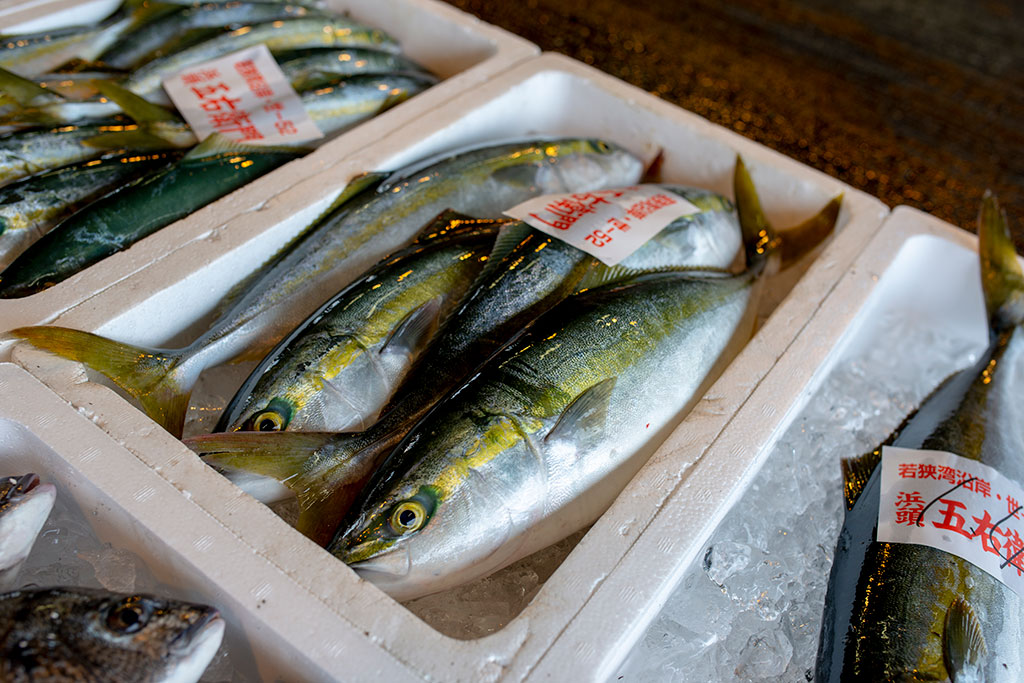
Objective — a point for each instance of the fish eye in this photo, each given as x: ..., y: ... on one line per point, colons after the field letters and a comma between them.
x: 408, y: 516
x: 129, y: 616
x: 268, y: 421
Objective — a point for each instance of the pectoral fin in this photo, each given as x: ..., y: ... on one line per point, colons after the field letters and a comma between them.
x: 585, y: 414
x: 963, y: 645
x: 415, y: 330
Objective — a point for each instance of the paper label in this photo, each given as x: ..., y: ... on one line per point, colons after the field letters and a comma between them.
x: 954, y: 504
x: 608, y: 224
x: 243, y: 96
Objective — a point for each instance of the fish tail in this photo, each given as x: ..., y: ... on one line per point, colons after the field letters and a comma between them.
x: 761, y: 241
x: 156, y: 378
x: 312, y: 465
x: 759, y: 238
x: 1001, y: 278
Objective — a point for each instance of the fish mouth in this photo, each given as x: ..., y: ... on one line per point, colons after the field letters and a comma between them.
x: 210, y: 625
x: 396, y: 562
x: 16, y: 487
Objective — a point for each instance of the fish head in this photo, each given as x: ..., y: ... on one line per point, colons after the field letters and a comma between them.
x: 24, y: 506
x: 585, y: 164
x: 87, y: 634
x: 450, y: 520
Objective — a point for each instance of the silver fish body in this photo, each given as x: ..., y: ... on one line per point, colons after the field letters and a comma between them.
x: 278, y: 35
x: 24, y: 506
x: 543, y: 438
x: 80, y: 634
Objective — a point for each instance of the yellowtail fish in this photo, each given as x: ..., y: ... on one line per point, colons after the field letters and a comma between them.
x: 908, y: 612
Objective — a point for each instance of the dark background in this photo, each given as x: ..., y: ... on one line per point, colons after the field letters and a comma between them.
x: 917, y: 102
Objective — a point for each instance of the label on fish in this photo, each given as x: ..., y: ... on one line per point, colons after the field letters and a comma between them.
x: 608, y: 224
x: 954, y: 504
x: 243, y: 96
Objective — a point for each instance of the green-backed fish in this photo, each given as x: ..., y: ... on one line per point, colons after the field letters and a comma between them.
x: 338, y: 107
x: 29, y: 152
x: 30, y: 207
x: 209, y: 171
x: 907, y: 612
x: 317, y: 68
x: 289, y: 34
x: 83, y: 634
x: 334, y: 372
x: 534, y: 273
x: 29, y: 54
x: 543, y: 437
x: 24, y: 506
x: 481, y: 183
x: 130, y: 50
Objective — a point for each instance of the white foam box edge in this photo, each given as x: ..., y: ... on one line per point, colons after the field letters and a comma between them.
x: 567, y: 97
x: 136, y: 507
x: 453, y: 44
x: 696, y: 502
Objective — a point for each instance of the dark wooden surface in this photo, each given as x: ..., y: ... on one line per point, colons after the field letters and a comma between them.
x: 918, y: 102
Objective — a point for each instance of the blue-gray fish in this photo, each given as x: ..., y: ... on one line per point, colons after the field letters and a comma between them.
x: 82, y: 634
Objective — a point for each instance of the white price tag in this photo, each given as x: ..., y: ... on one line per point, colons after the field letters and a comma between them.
x: 608, y: 224
x: 954, y: 504
x: 243, y: 96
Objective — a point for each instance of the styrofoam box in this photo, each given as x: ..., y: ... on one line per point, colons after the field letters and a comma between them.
x: 455, y: 46
x: 357, y: 632
x: 916, y: 265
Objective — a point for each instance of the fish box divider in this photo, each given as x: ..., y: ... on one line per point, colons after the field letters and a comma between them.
x: 612, y: 583
x: 454, y: 45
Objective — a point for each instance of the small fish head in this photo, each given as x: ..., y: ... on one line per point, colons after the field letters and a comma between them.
x: 93, y: 633
x: 587, y: 164
x: 24, y: 506
x: 455, y: 519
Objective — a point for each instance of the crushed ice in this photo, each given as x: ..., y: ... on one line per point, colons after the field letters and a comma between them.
x: 749, y: 608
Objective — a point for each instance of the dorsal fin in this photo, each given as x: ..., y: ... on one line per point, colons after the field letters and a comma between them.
x: 602, y: 275
x: 963, y: 644
x: 1001, y: 278
x: 856, y: 472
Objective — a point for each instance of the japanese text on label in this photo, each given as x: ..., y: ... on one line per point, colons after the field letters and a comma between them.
x: 608, y: 224
x: 243, y: 96
x: 954, y: 504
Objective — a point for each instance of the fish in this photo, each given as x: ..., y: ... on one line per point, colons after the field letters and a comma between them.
x: 317, y: 68
x: 288, y: 34
x: 374, y: 219
x: 533, y: 275
x: 907, y: 612
x: 30, y: 207
x: 537, y: 444
x: 24, y: 506
x: 338, y: 107
x: 336, y: 370
x: 209, y: 171
x: 29, y: 54
x: 82, y: 634
x: 131, y: 49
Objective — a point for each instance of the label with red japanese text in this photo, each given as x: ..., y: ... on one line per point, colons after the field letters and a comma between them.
x: 243, y: 96
x: 954, y: 504
x: 608, y: 224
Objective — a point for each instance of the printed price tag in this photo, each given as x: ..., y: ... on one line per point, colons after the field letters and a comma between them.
x: 243, y: 96
x: 954, y: 504
x: 608, y: 224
